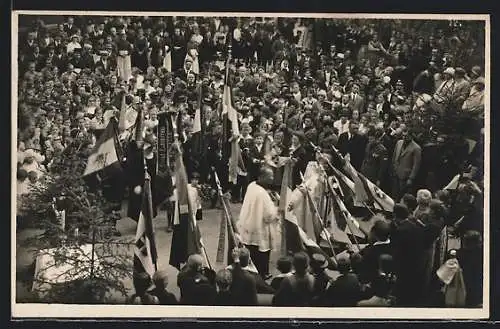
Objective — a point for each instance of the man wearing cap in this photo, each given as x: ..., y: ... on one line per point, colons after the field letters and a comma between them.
x: 74, y: 44
x: 445, y: 90
x: 474, y: 103
x: 104, y: 63
x: 318, y: 265
x: 461, y: 87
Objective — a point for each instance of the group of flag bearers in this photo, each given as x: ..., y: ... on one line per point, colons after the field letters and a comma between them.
x: 315, y: 216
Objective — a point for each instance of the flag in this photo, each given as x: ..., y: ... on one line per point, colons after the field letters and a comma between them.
x: 227, y: 242
x: 145, y: 253
x: 453, y: 184
x: 197, y: 134
x: 367, y: 193
x: 352, y: 226
x: 232, y: 118
x: 295, y: 239
x: 134, y: 175
x: 186, y: 238
x: 106, y: 153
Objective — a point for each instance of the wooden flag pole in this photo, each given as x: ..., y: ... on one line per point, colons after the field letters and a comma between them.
x: 316, y: 212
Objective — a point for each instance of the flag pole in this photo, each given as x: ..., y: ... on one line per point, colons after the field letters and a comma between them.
x: 331, y: 166
x: 318, y: 215
x: 147, y: 179
x: 332, y: 190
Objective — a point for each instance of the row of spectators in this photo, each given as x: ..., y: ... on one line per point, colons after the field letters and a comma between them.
x: 404, y: 100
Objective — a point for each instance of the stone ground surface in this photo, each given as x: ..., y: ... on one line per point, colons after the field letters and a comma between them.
x: 209, y: 227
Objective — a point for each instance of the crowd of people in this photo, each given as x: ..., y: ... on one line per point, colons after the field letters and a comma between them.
x: 402, y: 100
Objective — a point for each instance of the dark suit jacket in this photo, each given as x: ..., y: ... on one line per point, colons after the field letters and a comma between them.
x: 345, y: 291
x: 300, y: 166
x: 406, y: 162
x: 371, y: 255
x: 355, y: 147
x: 295, y: 291
x: 254, y: 154
x: 104, y: 69
x: 243, y: 288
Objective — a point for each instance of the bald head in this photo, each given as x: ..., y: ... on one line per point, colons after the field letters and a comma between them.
x: 266, y: 175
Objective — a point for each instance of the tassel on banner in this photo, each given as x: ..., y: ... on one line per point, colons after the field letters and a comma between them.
x: 221, y: 248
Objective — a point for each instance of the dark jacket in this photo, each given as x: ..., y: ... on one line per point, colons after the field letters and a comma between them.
x: 225, y: 298
x: 374, y: 165
x: 371, y: 255
x: 295, y: 291
x: 345, y: 291
x: 164, y: 297
x: 244, y: 287
x: 354, y: 146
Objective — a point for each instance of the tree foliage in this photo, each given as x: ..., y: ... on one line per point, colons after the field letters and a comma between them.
x: 88, y: 220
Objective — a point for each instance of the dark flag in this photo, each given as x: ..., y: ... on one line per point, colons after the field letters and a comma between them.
x: 145, y: 253
x: 186, y: 239
x: 134, y: 175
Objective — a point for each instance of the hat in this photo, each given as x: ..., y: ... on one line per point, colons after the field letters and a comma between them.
x: 195, y: 175
x: 75, y: 36
x: 460, y: 71
x: 322, y: 93
x: 479, y: 80
x: 104, y: 53
x: 319, y: 261
x: 449, y: 70
x: 476, y: 70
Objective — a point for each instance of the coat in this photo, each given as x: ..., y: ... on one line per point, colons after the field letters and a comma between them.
x: 243, y: 288
x: 295, y: 291
x: 406, y: 161
x: 355, y: 147
x: 345, y: 291
x: 374, y: 165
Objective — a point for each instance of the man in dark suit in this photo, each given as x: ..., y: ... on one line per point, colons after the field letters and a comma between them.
x: 376, y: 157
x: 104, y: 63
x: 299, y: 156
x: 243, y: 287
x: 405, y: 164
x: 354, y: 144
x: 345, y: 291
x: 256, y: 156
x: 195, y: 287
x: 380, y: 244
x: 356, y: 101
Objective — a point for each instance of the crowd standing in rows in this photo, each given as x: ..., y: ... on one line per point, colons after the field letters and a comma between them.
x: 403, y: 99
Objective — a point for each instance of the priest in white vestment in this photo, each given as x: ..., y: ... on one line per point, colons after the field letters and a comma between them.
x: 259, y: 222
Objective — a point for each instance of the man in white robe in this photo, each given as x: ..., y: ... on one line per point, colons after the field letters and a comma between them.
x: 259, y: 222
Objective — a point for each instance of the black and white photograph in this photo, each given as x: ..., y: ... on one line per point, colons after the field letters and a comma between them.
x: 231, y: 165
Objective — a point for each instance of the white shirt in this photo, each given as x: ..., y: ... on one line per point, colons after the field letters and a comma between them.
x: 342, y: 128
x: 72, y: 46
